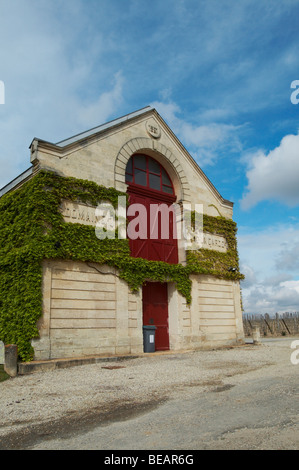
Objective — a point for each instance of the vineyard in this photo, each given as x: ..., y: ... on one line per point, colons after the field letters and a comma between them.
x: 285, y: 324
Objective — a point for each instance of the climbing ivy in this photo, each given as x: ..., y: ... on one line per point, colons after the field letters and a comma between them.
x: 222, y: 265
x: 32, y: 228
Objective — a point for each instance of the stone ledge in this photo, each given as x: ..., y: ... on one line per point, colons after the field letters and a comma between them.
x: 25, y: 368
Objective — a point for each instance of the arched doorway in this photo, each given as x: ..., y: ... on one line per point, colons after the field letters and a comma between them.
x: 151, y: 195
x: 150, y: 187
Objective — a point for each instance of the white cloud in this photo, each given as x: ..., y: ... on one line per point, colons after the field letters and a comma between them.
x: 291, y: 285
x: 271, y: 299
x: 205, y: 142
x: 250, y: 276
x: 54, y: 86
x: 274, y: 176
x: 260, y: 248
x: 271, y: 285
x: 99, y: 111
x: 288, y: 258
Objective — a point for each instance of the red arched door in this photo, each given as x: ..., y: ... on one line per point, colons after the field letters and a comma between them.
x: 151, y: 215
x: 152, y: 233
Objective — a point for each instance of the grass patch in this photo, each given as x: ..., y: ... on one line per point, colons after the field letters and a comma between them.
x: 3, y: 374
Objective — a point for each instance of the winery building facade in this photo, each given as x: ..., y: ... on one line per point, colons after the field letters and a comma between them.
x: 82, y: 295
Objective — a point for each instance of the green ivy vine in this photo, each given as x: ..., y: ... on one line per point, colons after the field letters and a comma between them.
x: 32, y: 228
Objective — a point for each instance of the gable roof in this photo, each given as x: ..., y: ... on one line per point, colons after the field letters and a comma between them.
x: 103, y: 127
x: 96, y: 131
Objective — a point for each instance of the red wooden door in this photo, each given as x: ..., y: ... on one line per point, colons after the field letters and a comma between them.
x: 150, y: 187
x: 155, y: 312
x: 150, y: 244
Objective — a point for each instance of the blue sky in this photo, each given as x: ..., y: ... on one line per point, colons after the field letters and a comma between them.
x: 218, y: 72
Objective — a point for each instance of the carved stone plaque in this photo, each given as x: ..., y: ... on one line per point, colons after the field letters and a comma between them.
x: 78, y: 213
x: 214, y: 242
x: 153, y: 128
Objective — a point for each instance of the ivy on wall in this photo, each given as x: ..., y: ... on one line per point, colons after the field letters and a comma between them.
x: 32, y: 228
x: 222, y: 265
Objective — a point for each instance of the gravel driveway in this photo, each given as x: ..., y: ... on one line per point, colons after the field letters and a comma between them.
x: 38, y: 410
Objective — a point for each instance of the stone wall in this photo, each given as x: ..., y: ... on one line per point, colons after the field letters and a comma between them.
x: 88, y: 310
x: 216, y: 310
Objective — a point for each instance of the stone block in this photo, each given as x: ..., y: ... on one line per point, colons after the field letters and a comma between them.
x: 11, y: 360
x: 2, y: 352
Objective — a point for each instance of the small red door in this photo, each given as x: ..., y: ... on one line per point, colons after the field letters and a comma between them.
x: 155, y: 312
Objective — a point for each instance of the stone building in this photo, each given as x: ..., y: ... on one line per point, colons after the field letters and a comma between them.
x: 87, y: 307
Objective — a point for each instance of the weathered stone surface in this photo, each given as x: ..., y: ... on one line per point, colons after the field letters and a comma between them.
x: 11, y: 360
x: 2, y: 352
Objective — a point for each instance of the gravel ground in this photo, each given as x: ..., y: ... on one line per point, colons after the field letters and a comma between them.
x: 112, y: 390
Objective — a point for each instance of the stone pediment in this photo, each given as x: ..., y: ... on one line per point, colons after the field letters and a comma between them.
x: 101, y: 154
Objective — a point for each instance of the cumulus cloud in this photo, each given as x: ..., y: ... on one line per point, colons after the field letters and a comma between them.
x: 266, y: 256
x: 274, y: 176
x: 272, y: 299
x: 292, y: 285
